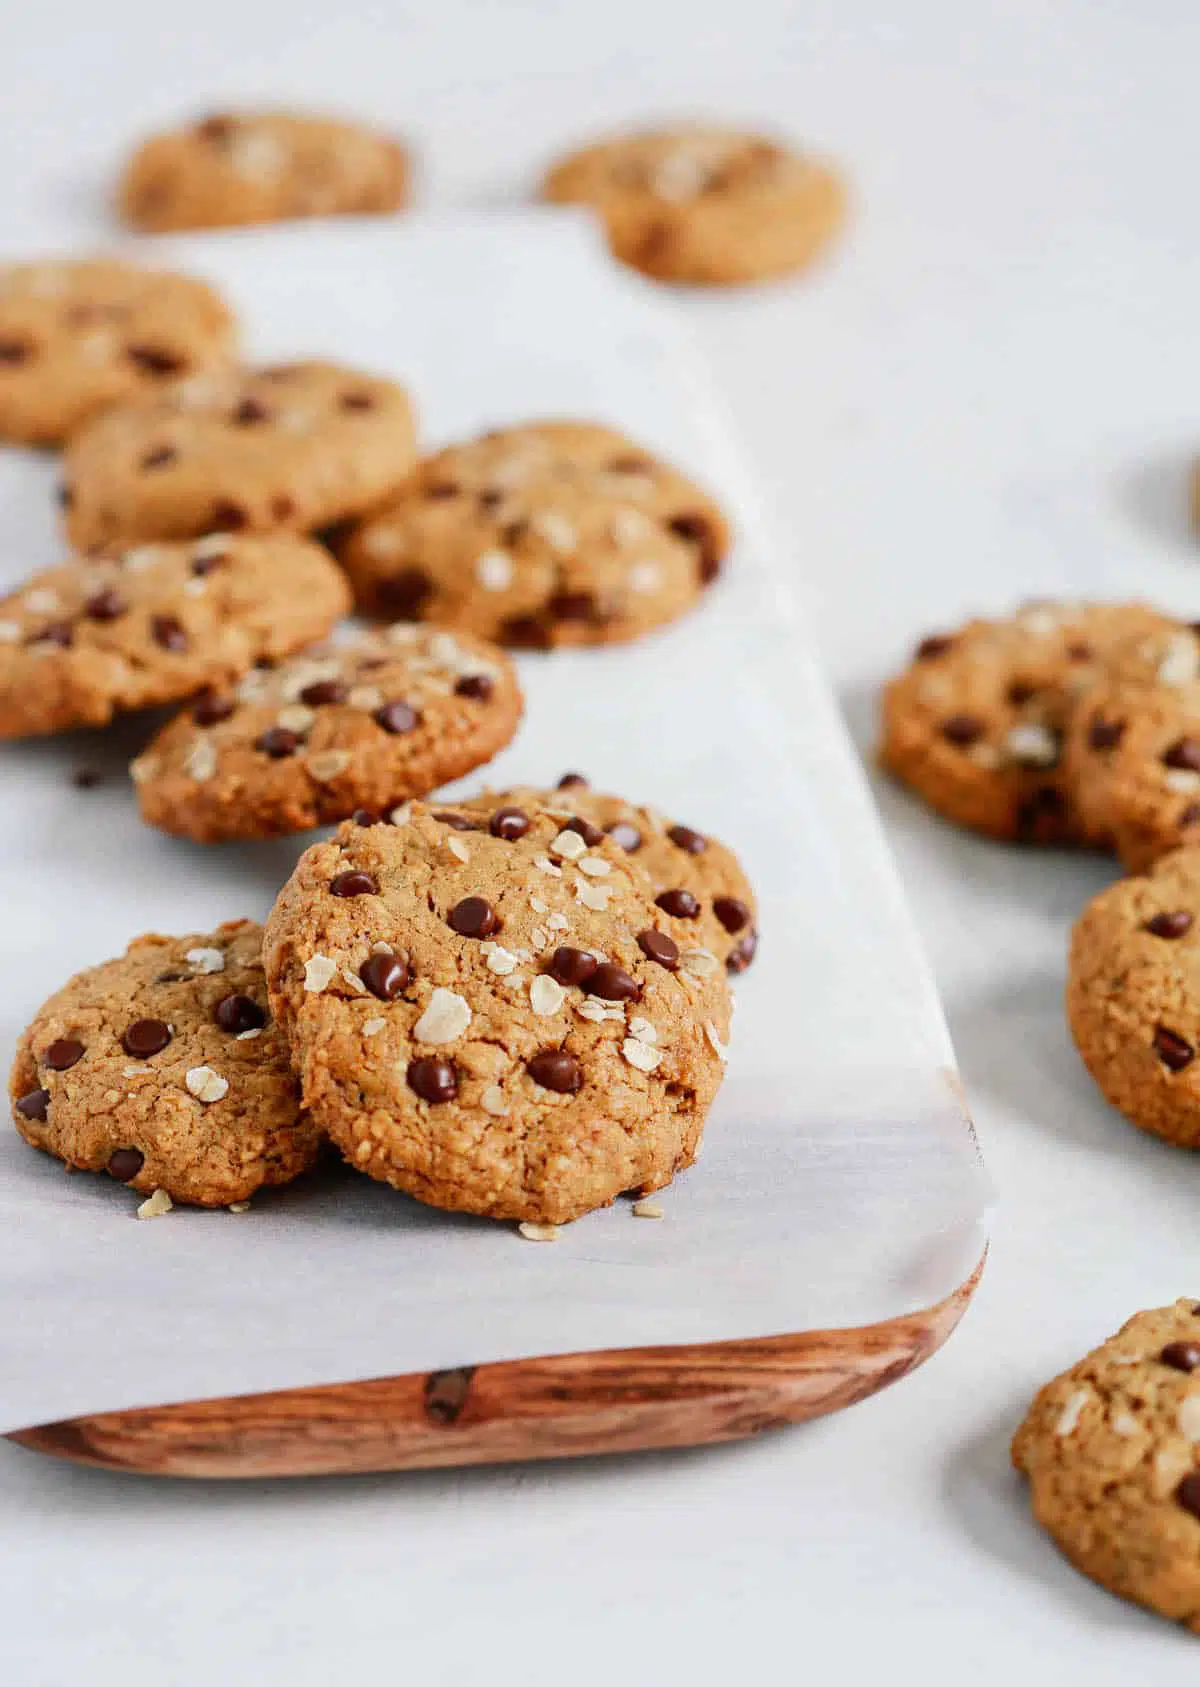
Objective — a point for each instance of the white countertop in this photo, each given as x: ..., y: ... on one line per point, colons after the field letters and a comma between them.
x: 987, y: 396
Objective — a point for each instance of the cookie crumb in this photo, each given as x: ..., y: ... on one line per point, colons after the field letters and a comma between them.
x: 538, y: 1232
x: 239, y: 1207
x: 647, y: 1209
x: 156, y: 1205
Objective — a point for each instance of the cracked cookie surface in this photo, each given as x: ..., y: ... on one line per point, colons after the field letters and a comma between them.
x: 493, y: 1015
x: 165, y: 1069
x: 1112, y: 1452
x: 364, y: 724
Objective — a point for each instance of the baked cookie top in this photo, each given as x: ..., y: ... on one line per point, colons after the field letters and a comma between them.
x: 164, y: 1068
x: 293, y: 447
x: 122, y: 630
x: 361, y: 725
x: 79, y: 335
x: 1133, y: 995
x: 702, y: 203
x: 259, y: 167
x: 1112, y: 1452
x: 695, y: 876
x: 552, y: 533
x: 976, y: 724
x: 494, y: 1016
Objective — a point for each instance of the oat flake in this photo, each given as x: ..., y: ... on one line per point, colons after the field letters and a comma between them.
x: 538, y: 1232
x: 1072, y: 1412
x: 446, y: 1017
x: 318, y: 973
x: 371, y: 1027
x: 200, y: 763
x: 1189, y: 1417
x: 206, y: 960
x: 500, y: 960
x: 642, y: 1029
x: 238, y: 1207
x: 156, y: 1205
x: 10, y: 632
x: 569, y: 845
x: 647, y: 1209
x: 546, y: 994
x: 205, y: 1084
x: 714, y: 1038
x: 297, y: 717
x: 640, y: 1054
x: 458, y: 849
x: 327, y: 764
x: 595, y: 866
x: 494, y: 1101
x: 494, y: 571
x: 593, y: 896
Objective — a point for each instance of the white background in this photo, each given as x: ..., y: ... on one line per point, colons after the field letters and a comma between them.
x: 989, y: 394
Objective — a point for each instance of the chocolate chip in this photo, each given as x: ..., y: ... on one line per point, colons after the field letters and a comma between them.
x: 158, y: 458
x: 1175, y: 923
x: 153, y: 360
x: 732, y: 913
x: 208, y: 708
x: 105, y: 605
x: 657, y: 946
x: 695, y: 843
x: 1020, y: 691
x: 555, y: 1069
x: 478, y: 687
x: 227, y: 517
x: 357, y: 401
x: 698, y: 530
x: 1181, y: 1355
x: 630, y: 462
x: 366, y: 817
x: 13, y: 352
x: 613, y: 984
x: 1188, y: 1493
x: 571, y: 781
x: 524, y: 632
x: 490, y: 498
x: 145, y: 1037
x: 33, y: 1104
x: 385, y: 975
x: 206, y: 564
x: 625, y: 835
x: 433, y: 1080
x: 215, y: 128
x: 324, y: 691
x: 86, y: 778
x: 61, y: 633
x: 62, y: 1054
x: 250, y: 412
x: 1045, y: 803
x: 1172, y: 1050
x: 572, y: 966
x: 125, y: 1163
x: 962, y: 729
x: 509, y: 823
x: 283, y: 508
x: 239, y: 1013
x: 277, y: 742
x: 574, y: 606
x: 405, y: 594
x: 460, y: 822
x: 354, y: 883
x: 168, y: 632
x: 937, y: 644
x: 1190, y: 814
x: 473, y: 917
x: 1105, y: 734
x: 680, y: 904
x: 444, y: 489
x: 64, y: 497
x: 742, y: 953
x: 1080, y: 652
x: 591, y: 835
x: 1183, y: 753
x: 397, y: 717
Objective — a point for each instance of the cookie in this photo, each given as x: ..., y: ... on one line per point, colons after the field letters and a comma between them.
x: 495, y: 1017
x: 1133, y: 996
x: 700, y: 203
x: 1112, y: 1452
x: 976, y: 724
x: 695, y: 876
x: 165, y: 1069
x: 77, y: 336
x: 554, y: 533
x: 293, y: 448
x: 338, y: 729
x: 122, y: 630
x: 260, y: 167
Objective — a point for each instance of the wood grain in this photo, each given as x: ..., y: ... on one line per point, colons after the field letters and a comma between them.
x: 556, y: 1407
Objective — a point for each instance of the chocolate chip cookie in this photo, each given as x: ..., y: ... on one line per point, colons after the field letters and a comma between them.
x: 699, y: 203
x: 261, y: 167
x: 363, y: 725
x: 554, y: 533
x: 976, y: 724
x: 294, y: 448
x: 122, y: 630
x: 1112, y: 1452
x: 77, y: 336
x: 695, y: 876
x: 165, y: 1069
x: 1133, y: 996
x: 494, y: 1015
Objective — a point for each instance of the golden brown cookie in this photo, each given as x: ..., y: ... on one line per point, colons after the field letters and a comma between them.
x: 291, y: 448
x: 123, y: 630
x: 164, y: 1069
x: 1133, y: 996
x: 701, y: 203
x: 553, y: 533
x: 339, y: 729
x: 1112, y: 1452
x: 976, y: 724
x: 261, y: 167
x: 496, y: 1018
x: 79, y: 335
x: 695, y: 876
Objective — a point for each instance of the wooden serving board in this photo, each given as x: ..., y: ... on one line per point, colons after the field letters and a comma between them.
x: 564, y: 1406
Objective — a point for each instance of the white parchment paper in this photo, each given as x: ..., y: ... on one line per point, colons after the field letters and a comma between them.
x: 839, y: 1182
